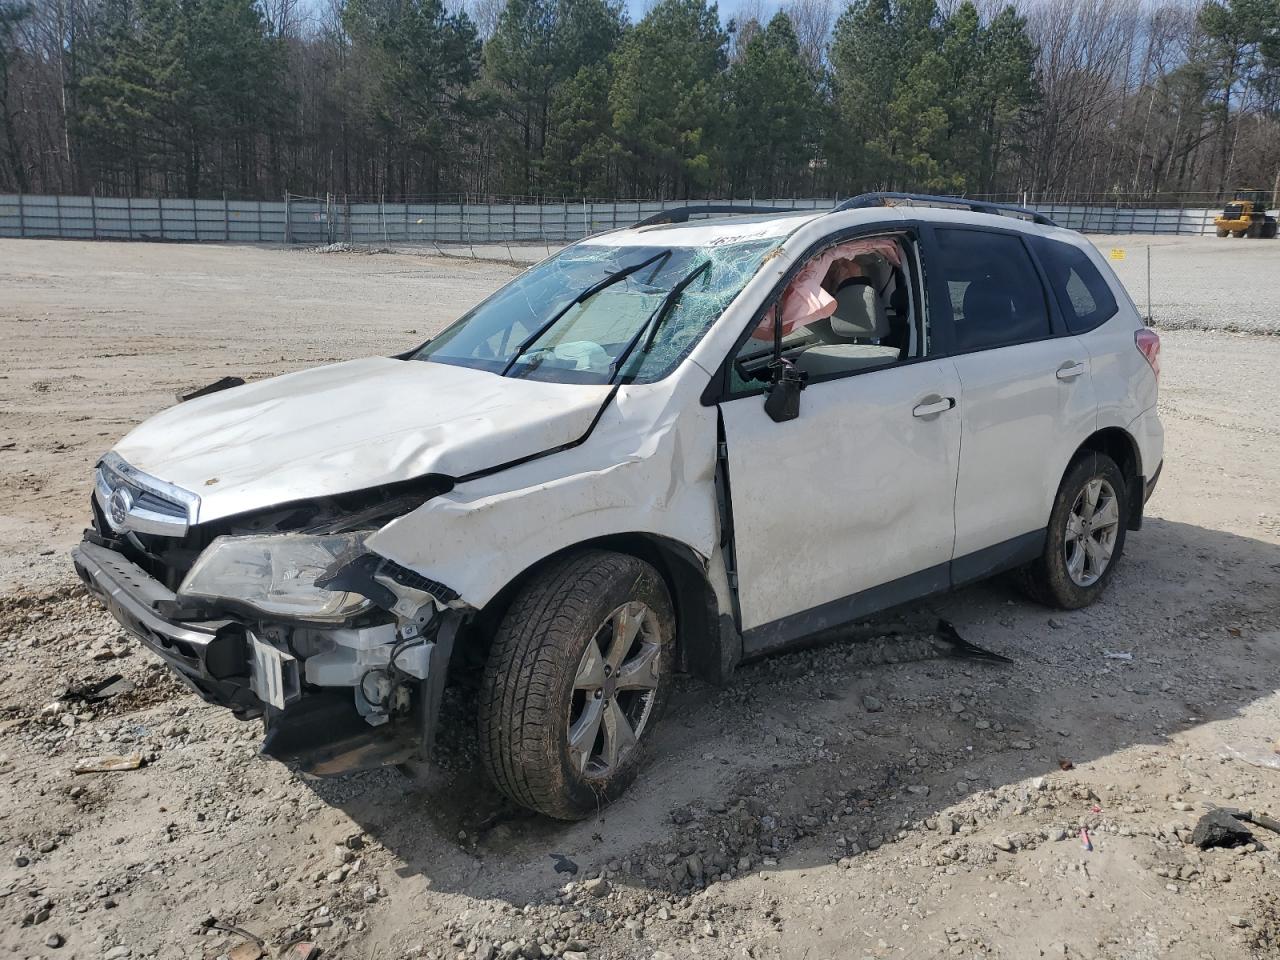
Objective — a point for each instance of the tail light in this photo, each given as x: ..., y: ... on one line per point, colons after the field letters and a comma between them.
x: 1148, y: 343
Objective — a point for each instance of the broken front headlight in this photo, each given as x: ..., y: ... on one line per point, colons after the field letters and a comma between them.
x: 277, y: 573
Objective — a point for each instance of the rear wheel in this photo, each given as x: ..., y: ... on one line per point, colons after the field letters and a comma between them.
x: 1085, y: 536
x: 1269, y: 230
x: 1254, y: 230
x: 576, y: 680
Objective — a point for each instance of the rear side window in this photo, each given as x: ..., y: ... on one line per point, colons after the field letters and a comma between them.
x: 1083, y: 295
x: 997, y: 298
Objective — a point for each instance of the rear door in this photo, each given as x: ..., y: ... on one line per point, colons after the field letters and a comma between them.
x: 1028, y: 397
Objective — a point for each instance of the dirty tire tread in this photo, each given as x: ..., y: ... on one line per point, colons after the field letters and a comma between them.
x: 1045, y: 580
x: 518, y: 704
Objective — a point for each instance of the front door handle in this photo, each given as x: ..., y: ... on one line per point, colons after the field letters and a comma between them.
x: 931, y: 407
x: 1070, y: 370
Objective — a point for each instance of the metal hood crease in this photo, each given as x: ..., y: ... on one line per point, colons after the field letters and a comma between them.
x: 350, y: 426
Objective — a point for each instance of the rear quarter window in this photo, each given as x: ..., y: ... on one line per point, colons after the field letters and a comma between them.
x: 1084, y: 296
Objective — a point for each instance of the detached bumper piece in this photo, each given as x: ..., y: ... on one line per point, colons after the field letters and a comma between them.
x: 211, y: 656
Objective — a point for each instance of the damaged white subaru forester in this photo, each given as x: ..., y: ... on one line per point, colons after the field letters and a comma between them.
x: 672, y: 447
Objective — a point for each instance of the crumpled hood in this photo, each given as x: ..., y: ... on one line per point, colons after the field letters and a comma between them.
x: 349, y: 426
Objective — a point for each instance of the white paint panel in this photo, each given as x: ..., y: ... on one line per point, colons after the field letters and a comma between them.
x: 1021, y: 425
x: 854, y: 493
x: 348, y: 426
x: 649, y: 467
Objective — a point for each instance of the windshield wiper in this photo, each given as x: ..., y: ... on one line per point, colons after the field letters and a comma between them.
x: 656, y: 319
x: 583, y: 297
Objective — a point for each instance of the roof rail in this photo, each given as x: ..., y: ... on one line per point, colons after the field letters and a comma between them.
x: 682, y: 214
x: 925, y: 199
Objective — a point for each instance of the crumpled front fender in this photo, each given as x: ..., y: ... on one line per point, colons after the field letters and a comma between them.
x: 648, y: 468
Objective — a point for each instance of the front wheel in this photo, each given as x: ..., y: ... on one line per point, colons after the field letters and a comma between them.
x: 578, y: 675
x: 1085, y: 536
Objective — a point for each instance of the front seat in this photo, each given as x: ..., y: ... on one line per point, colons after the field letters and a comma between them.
x: 990, y: 316
x: 861, y: 321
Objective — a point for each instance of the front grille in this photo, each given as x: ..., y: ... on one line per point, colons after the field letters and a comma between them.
x: 147, y: 500
x: 135, y: 502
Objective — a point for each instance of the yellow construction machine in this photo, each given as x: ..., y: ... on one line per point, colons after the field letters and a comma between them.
x: 1246, y: 216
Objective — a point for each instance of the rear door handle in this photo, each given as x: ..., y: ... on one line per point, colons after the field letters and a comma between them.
x: 933, y: 407
x: 1070, y: 370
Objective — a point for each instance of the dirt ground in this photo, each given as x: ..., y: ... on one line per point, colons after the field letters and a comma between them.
x: 869, y: 798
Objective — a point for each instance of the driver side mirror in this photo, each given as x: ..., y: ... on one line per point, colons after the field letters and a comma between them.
x: 782, y: 397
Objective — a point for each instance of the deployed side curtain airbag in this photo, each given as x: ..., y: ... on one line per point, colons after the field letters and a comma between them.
x: 807, y: 300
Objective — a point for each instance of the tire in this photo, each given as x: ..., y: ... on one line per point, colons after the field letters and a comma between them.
x: 1269, y: 230
x: 1222, y: 232
x: 540, y: 685
x: 1254, y: 230
x: 1237, y: 234
x: 1054, y: 579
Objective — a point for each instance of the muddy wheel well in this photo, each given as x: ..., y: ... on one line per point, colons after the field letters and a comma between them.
x: 698, y: 629
x: 1120, y: 447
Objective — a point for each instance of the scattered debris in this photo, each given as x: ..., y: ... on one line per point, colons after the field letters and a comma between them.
x: 108, y: 764
x: 1064, y: 764
x: 1255, y: 756
x: 1085, y: 841
x: 300, y: 950
x: 564, y: 865
x: 949, y: 642
x: 112, y: 686
x: 1117, y: 656
x: 246, y: 951
x: 223, y: 383
x: 1257, y: 819
x: 1219, y: 828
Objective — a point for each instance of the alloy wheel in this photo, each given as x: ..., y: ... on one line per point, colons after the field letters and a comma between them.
x: 614, y: 690
x: 1092, y: 527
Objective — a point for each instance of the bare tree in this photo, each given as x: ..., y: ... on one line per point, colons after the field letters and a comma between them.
x: 813, y: 20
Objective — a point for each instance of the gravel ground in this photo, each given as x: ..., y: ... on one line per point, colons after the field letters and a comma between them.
x: 865, y: 799
x: 1202, y: 283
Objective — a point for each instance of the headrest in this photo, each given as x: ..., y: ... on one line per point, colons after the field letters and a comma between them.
x: 859, y: 312
x: 986, y: 303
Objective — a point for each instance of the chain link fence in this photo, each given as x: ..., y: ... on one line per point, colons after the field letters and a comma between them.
x: 322, y: 221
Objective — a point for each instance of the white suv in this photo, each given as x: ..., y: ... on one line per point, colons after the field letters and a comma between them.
x: 675, y: 446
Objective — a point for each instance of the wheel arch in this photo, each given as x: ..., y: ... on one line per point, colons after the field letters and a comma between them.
x: 705, y: 640
x: 1118, y: 444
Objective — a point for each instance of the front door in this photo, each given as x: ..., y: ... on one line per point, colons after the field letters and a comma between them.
x: 847, y: 508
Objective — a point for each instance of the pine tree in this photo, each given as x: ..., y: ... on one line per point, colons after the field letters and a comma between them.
x: 664, y: 95
x: 537, y: 46
x: 11, y: 16
x: 421, y: 60
x: 771, y: 114
x: 580, y: 149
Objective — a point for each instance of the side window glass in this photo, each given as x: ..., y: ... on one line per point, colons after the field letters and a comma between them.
x: 851, y: 307
x: 997, y: 298
x: 1083, y: 295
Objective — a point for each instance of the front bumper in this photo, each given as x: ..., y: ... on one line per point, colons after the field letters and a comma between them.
x: 320, y: 732
x: 211, y: 656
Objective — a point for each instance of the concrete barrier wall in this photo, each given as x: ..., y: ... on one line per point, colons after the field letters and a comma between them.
x: 315, y: 222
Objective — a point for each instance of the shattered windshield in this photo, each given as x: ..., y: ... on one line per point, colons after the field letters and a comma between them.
x: 596, y: 314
